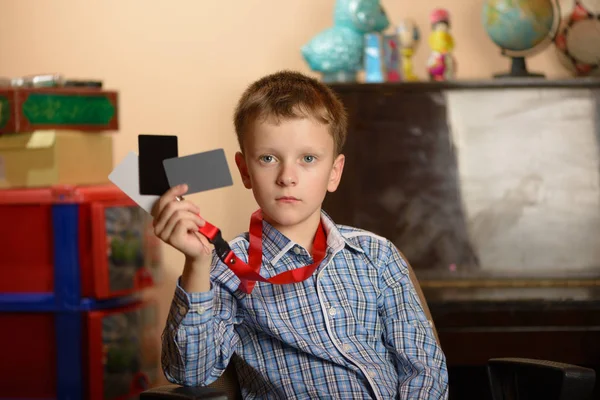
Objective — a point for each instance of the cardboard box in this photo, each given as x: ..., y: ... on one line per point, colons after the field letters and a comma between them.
x: 55, y: 157
x: 82, y: 109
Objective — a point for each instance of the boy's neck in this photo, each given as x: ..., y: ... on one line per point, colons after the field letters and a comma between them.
x: 302, y: 233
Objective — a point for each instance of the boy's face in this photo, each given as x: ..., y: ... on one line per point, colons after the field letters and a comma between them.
x: 290, y: 167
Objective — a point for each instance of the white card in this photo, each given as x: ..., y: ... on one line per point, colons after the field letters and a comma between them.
x: 126, y: 177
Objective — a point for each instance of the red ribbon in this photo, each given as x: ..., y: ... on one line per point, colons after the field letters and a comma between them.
x: 249, y: 273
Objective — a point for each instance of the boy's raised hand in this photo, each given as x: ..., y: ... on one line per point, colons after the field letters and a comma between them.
x: 176, y: 223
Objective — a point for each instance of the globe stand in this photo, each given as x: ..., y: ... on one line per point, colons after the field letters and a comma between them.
x: 518, y: 69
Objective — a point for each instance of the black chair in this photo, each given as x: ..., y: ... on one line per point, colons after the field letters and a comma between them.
x: 523, y: 379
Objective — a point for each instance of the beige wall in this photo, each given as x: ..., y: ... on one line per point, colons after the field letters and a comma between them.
x: 180, y: 65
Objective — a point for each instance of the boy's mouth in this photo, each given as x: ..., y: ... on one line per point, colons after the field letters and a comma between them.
x: 287, y: 199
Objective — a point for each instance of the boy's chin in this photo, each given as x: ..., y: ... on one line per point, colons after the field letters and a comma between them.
x: 281, y: 218
x: 285, y: 218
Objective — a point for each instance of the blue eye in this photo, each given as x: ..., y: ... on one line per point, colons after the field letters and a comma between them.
x: 267, y: 158
x: 309, y: 159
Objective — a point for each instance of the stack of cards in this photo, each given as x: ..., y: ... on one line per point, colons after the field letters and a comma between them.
x: 158, y: 167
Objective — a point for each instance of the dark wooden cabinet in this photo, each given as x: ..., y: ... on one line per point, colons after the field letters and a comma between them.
x: 492, y: 192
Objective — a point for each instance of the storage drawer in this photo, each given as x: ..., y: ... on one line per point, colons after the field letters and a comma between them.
x: 69, y: 243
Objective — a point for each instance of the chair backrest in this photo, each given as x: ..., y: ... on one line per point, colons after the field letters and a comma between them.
x: 228, y: 381
x: 417, y: 286
x: 527, y: 379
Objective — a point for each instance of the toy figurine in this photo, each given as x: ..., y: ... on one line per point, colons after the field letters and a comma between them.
x: 409, y: 35
x: 441, y: 65
x: 337, y: 52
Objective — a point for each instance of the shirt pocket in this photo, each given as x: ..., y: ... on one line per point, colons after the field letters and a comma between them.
x: 357, y: 293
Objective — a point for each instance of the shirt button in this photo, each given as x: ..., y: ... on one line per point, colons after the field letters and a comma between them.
x: 182, y: 310
x: 372, y: 373
x: 200, y: 310
x: 346, y: 347
x: 297, y: 250
x: 332, y: 311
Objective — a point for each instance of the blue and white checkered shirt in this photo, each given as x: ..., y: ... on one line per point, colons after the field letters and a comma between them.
x: 355, y: 329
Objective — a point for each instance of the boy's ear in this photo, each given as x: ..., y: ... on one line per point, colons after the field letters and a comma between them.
x: 240, y: 161
x: 336, y: 173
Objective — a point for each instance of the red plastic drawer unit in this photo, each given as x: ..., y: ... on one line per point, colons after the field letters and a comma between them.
x: 29, y: 356
x: 113, y: 242
x: 114, y: 353
x: 123, y: 351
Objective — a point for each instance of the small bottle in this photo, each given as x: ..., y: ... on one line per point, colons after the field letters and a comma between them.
x: 441, y: 65
x: 391, y: 56
x: 373, y: 58
x: 409, y: 35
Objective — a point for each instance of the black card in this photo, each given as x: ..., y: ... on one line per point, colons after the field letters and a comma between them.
x: 153, y: 150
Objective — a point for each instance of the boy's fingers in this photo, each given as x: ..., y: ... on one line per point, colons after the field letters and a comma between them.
x: 204, y: 241
x: 193, y: 221
x: 186, y: 227
x: 171, y: 195
x: 182, y: 227
x: 171, y: 210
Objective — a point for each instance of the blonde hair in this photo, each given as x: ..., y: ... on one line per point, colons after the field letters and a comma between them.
x: 287, y: 95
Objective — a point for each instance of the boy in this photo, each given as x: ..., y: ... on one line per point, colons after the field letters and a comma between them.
x: 353, y: 328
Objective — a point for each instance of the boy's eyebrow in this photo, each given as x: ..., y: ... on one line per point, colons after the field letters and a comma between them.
x: 317, y: 151
x: 261, y: 150
x: 304, y: 150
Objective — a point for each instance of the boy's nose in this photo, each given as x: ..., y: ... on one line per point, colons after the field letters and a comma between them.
x: 287, y: 177
x: 287, y: 181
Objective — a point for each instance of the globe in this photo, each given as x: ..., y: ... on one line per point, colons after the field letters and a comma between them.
x: 521, y: 28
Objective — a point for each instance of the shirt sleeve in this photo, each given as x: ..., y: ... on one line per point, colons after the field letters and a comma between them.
x: 420, y: 362
x: 199, y: 337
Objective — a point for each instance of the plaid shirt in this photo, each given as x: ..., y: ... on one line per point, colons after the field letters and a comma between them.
x: 354, y: 329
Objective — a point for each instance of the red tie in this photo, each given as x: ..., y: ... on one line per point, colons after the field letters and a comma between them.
x: 250, y: 273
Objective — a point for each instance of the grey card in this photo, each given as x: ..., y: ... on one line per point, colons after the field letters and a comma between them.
x: 201, y: 171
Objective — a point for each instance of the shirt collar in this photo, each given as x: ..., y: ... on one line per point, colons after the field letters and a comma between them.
x: 276, y: 245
